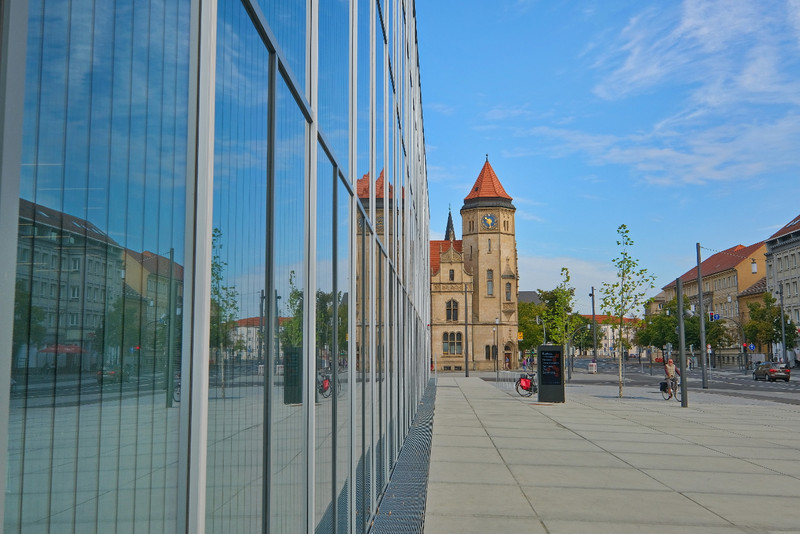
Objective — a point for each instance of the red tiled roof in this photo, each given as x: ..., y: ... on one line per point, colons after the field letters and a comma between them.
x: 721, y: 261
x: 791, y: 227
x: 362, y: 187
x: 249, y: 322
x: 487, y: 185
x: 611, y: 319
x: 439, y: 247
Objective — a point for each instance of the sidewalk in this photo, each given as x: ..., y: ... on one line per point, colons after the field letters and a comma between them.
x: 596, y: 463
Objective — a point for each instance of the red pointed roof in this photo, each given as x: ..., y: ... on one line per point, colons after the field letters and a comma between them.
x: 438, y: 248
x: 487, y: 185
x: 362, y: 187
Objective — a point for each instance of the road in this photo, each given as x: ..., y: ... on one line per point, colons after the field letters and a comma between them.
x: 726, y: 381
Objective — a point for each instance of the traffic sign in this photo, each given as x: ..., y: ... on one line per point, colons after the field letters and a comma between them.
x: 752, y: 346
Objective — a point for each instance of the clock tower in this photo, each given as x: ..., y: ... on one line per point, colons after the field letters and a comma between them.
x: 489, y: 249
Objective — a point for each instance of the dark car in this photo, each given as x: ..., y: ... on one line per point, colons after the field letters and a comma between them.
x: 772, y: 371
x: 111, y: 375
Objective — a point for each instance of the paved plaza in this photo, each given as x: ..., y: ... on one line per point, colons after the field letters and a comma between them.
x: 603, y: 464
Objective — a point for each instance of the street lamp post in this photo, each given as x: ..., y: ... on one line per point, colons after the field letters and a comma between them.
x: 594, y: 330
x: 783, y: 329
x: 495, y: 351
x: 466, y: 335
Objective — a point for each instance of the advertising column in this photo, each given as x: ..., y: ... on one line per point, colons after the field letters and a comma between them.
x: 551, y: 373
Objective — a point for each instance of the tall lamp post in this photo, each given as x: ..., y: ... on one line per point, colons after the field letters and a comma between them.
x: 783, y: 329
x: 495, y: 351
x: 594, y: 330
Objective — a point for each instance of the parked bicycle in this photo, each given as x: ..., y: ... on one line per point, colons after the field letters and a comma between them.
x: 176, y: 388
x: 526, y: 384
x: 324, y: 385
x: 676, y: 389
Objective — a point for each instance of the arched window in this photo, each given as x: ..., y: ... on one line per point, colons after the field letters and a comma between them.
x: 458, y: 343
x: 508, y: 291
x: 490, y: 245
x: 452, y: 275
x: 452, y: 343
x: 452, y: 310
x: 490, y: 282
x: 488, y: 352
x: 445, y: 344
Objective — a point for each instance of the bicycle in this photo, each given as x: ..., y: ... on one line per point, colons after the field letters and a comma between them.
x: 526, y: 384
x: 176, y: 388
x: 324, y: 385
x: 676, y: 389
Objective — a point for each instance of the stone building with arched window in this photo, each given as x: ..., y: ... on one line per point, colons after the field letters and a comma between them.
x: 474, y: 283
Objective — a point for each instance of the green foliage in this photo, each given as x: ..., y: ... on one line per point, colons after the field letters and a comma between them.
x: 224, y: 298
x: 291, y: 332
x: 658, y: 330
x: 532, y: 333
x: 764, y: 326
x: 558, y: 310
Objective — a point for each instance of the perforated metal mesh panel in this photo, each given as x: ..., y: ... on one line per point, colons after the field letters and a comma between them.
x: 402, y: 506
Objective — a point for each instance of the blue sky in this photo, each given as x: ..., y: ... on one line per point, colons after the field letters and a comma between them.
x: 679, y: 119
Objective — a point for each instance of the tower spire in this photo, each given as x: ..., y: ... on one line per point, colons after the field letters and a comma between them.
x: 449, y: 233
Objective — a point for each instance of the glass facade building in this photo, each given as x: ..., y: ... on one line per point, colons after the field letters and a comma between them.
x: 215, y: 222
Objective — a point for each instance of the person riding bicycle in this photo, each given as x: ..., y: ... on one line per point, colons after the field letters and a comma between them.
x: 672, y: 373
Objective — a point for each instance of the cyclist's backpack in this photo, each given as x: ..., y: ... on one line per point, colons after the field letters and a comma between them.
x: 663, y: 386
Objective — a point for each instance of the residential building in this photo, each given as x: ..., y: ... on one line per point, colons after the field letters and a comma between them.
x: 608, y: 343
x: 726, y: 274
x: 474, y: 283
x: 783, y: 271
x: 179, y: 190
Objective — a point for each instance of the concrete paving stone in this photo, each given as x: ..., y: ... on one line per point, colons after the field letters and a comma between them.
x: 543, y: 444
x: 478, y: 472
x: 517, y: 457
x: 466, y: 441
x: 555, y: 526
x: 755, y: 453
x: 786, y: 466
x: 465, y: 523
x: 465, y: 454
x: 615, y: 505
x: 684, y: 449
x: 703, y: 481
x: 455, y: 430
x: 583, y: 477
x: 761, y: 514
x: 447, y: 498
x: 649, y: 460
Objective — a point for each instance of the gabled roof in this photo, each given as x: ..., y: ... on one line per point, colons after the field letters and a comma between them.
x: 155, y: 264
x: 789, y: 228
x: 721, y: 261
x: 64, y: 222
x: 438, y: 248
x: 756, y: 289
x: 487, y: 185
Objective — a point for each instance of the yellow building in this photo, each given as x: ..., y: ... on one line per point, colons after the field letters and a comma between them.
x: 474, y: 283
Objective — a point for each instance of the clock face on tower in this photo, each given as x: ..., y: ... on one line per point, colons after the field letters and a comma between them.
x: 489, y: 221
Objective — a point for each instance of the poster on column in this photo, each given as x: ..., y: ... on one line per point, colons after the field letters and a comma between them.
x: 551, y: 373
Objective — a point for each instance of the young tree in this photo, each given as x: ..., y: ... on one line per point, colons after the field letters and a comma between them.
x: 626, y: 294
x: 224, y: 306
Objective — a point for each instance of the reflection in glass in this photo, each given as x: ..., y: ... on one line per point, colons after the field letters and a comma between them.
x: 93, y: 424
x: 342, y: 376
x: 325, y: 307
x: 333, y: 86
x: 287, y: 19
x: 363, y: 384
x: 234, y: 479
x: 288, y: 503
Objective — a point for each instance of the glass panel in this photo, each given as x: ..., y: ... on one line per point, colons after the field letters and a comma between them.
x: 380, y: 160
x: 333, y: 87
x: 380, y: 368
x: 324, y: 406
x: 287, y: 433
x: 342, y: 375
x: 236, y: 389
x: 363, y: 385
x: 363, y: 110
x: 287, y: 20
x: 93, y: 427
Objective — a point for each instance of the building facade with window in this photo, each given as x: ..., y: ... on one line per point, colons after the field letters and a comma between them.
x: 474, y: 283
x: 188, y: 257
x: 783, y: 274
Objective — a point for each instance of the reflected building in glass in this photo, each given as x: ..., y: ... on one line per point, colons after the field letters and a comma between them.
x: 219, y: 322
